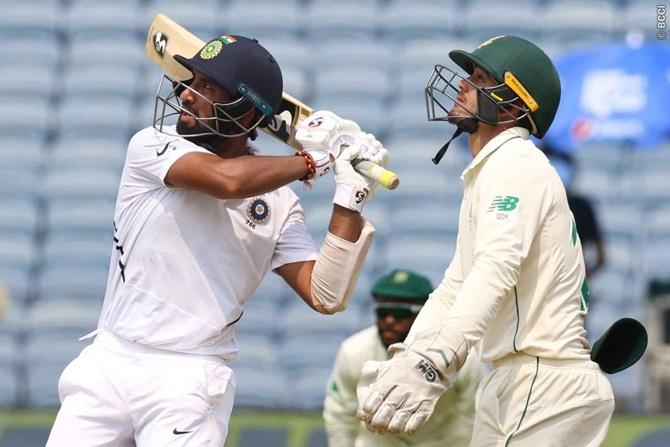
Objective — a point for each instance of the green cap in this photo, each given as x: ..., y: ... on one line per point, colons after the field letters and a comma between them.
x: 620, y: 346
x: 525, y: 68
x: 403, y: 284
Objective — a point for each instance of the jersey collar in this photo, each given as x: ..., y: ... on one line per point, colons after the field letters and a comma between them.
x: 495, y: 144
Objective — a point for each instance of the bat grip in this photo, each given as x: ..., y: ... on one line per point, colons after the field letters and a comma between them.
x: 388, y: 179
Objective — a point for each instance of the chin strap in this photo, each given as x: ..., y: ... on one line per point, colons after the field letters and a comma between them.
x: 468, y: 125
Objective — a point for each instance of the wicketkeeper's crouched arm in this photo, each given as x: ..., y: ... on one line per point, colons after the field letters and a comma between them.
x: 336, y: 270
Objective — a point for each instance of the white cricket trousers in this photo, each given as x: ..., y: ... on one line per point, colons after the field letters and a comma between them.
x: 528, y: 401
x: 118, y: 393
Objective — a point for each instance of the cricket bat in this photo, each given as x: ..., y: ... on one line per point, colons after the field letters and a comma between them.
x: 167, y: 38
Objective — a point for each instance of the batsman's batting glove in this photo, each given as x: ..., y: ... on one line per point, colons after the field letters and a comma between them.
x: 399, y: 395
x: 353, y: 189
x: 322, y: 136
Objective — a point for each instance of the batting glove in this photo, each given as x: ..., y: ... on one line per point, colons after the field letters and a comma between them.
x: 353, y: 189
x: 323, y: 135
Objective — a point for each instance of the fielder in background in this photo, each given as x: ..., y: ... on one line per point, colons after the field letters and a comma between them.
x: 398, y: 297
x: 517, y: 282
x: 199, y: 221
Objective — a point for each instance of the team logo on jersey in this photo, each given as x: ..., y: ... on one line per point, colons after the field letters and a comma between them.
x: 258, y: 211
x: 500, y: 203
x: 211, y: 50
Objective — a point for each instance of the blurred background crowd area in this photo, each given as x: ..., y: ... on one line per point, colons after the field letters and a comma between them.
x: 76, y: 85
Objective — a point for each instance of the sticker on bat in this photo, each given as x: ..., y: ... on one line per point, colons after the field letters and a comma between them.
x: 160, y: 43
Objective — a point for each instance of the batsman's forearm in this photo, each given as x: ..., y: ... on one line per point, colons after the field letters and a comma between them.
x: 346, y: 224
x: 248, y: 176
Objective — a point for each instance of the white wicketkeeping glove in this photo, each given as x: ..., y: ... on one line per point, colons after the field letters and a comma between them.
x: 322, y: 136
x: 400, y: 394
x: 352, y: 189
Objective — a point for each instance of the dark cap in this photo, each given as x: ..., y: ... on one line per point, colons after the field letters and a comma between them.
x: 241, y: 66
x: 403, y: 284
x: 620, y: 346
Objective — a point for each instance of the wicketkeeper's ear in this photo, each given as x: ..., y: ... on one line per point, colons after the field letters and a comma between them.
x: 621, y: 346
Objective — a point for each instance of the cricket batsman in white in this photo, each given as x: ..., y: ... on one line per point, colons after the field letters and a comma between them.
x: 516, y: 284
x: 398, y: 298
x: 199, y: 221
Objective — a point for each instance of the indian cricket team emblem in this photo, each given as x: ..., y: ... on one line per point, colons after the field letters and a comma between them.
x: 211, y: 50
x: 258, y: 211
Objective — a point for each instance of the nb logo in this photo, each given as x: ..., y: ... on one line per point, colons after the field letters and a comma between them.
x: 427, y: 370
x: 160, y: 43
x: 500, y: 203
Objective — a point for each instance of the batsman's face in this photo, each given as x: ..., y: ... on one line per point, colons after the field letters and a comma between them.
x: 199, y: 100
x: 466, y: 100
x: 394, y: 319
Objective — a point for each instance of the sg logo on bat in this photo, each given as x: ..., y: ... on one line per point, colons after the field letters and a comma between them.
x: 160, y: 43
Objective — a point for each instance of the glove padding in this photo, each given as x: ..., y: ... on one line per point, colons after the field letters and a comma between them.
x: 322, y: 136
x: 353, y: 189
x: 400, y: 394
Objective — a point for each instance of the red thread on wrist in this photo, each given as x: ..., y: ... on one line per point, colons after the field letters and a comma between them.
x: 311, y: 166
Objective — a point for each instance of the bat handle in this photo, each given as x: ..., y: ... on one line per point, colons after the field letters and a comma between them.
x: 388, y: 179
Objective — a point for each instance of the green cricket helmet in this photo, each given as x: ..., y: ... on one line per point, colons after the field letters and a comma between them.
x: 527, y: 82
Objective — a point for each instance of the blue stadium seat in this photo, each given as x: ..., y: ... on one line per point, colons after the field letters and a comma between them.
x: 309, y: 350
x: 106, y: 53
x: 655, y: 188
x: 77, y: 251
x: 108, y: 118
x: 93, y: 153
x: 80, y: 184
x: 264, y: 20
x: 367, y: 112
x: 21, y: 154
x: 430, y: 256
x: 424, y: 218
x: 16, y: 281
x: 62, y: 318
x: 43, y: 51
x: 30, y: 19
x: 28, y: 81
x: 422, y: 20
x: 256, y: 351
x: 620, y: 221
x: 59, y: 283
x: 611, y: 158
x: 46, y: 357
x: 29, y: 117
x: 299, y: 319
x: 310, y: 387
x: 296, y: 83
x: 259, y: 319
x: 273, y: 289
x: 204, y: 20
x: 18, y: 251
x: 377, y: 53
x: 18, y: 218
x: 487, y: 18
x: 408, y: 119
x: 290, y: 53
x: 259, y: 389
x: 86, y: 218
x: 579, y: 23
x: 599, y: 185
x: 19, y: 184
x: 95, y: 83
x: 353, y: 82
x: 341, y: 21
x: 636, y: 19
x: 91, y: 20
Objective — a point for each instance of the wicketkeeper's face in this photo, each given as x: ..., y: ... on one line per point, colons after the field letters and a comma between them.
x: 394, y: 319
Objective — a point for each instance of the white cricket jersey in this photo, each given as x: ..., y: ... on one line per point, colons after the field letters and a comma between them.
x: 449, y: 425
x: 517, y: 279
x: 184, y: 261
